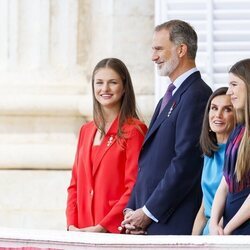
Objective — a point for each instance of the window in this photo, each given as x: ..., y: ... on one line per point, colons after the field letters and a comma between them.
x: 223, y: 28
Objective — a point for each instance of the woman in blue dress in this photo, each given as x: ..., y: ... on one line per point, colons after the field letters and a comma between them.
x: 218, y: 122
x: 232, y: 199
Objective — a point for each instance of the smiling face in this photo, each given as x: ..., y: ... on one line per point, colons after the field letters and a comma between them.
x: 221, y: 117
x: 237, y: 91
x: 108, y: 88
x: 164, y: 54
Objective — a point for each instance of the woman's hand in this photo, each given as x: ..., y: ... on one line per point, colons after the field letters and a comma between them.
x: 73, y: 228
x: 93, y: 229
x: 215, y: 229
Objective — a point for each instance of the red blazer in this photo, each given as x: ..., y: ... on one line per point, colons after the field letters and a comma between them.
x: 99, y: 191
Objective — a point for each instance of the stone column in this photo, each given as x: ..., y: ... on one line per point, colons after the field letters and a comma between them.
x: 48, y: 49
x: 44, y: 85
x: 44, y: 99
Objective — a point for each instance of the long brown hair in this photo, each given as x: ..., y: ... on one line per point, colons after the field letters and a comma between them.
x: 241, y: 69
x: 128, y: 104
x: 208, y: 140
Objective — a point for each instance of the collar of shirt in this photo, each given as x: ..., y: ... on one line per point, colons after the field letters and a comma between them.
x: 179, y: 80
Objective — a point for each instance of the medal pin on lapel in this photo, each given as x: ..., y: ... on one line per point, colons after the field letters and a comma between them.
x: 110, y: 140
x: 171, y: 108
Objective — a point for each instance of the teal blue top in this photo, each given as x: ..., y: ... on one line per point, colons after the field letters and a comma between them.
x: 210, y: 180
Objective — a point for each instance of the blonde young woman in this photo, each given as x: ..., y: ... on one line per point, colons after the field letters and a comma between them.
x: 232, y: 199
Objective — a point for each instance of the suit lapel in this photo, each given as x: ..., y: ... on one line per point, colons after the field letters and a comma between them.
x: 163, y: 116
x: 155, y: 115
x: 87, y: 149
x: 107, y: 142
x: 173, y: 102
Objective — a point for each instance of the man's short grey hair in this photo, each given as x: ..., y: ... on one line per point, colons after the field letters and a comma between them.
x: 181, y: 32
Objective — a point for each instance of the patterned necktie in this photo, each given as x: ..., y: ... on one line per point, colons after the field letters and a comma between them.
x: 167, y: 96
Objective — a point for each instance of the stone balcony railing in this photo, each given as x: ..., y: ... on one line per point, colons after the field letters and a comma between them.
x: 48, y: 239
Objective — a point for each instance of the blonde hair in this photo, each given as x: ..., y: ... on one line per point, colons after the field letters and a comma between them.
x: 242, y: 70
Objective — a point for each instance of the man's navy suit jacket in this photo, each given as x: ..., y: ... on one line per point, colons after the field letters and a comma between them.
x: 170, y: 162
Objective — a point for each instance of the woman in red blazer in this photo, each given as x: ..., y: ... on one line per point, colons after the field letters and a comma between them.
x: 105, y: 167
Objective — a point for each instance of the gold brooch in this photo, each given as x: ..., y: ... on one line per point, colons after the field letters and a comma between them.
x: 110, y: 140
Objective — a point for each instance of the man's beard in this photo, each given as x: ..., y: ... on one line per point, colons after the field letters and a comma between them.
x: 169, y: 66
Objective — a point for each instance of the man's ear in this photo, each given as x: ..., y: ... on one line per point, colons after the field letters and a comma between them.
x: 182, y: 50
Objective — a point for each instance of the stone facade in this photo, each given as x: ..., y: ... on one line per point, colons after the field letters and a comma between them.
x: 47, y: 53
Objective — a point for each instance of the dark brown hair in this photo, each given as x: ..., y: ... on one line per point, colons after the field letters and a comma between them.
x: 128, y: 104
x: 208, y: 140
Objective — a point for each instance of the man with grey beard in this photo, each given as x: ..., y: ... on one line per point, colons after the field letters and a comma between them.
x: 167, y: 193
